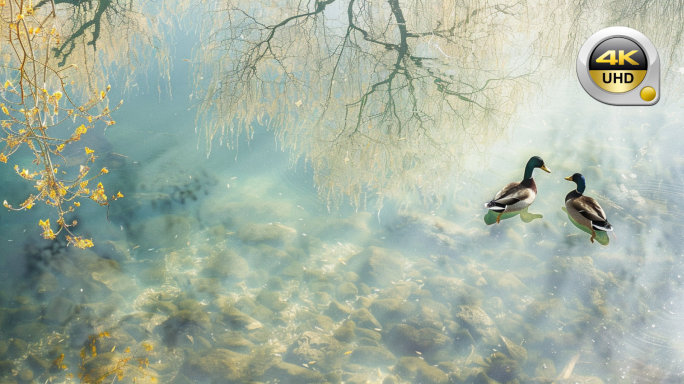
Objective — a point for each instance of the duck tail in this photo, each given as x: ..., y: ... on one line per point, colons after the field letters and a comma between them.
x: 602, y: 226
x: 496, y: 207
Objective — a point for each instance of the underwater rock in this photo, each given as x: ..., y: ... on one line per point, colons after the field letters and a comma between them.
x: 476, y: 320
x: 26, y: 375
x: 372, y: 356
x: 287, y: 373
x: 167, y: 231
x: 430, y: 314
x: 225, y: 264
x: 363, y: 318
x: 416, y: 370
x: 310, y: 346
x: 46, y: 283
x: 234, y: 341
x: 345, y: 332
x: 366, y: 336
x: 346, y: 291
x: 237, y: 319
x: 59, y: 310
x: 404, y: 339
x: 452, y: 290
x: 32, y: 331
x: 271, y: 233
x: 377, y: 266
x: 507, y: 281
x: 219, y: 365
x: 100, y: 366
x: 338, y: 311
x: 582, y: 380
x: 6, y: 368
x: 271, y: 300
x: 114, y: 280
x: 392, y: 310
x: 17, y: 347
x: 182, y: 326
x: 37, y: 363
x: 501, y: 368
x: 546, y: 369
x: 514, y: 351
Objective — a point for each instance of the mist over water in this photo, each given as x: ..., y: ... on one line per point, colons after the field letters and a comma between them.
x: 232, y: 268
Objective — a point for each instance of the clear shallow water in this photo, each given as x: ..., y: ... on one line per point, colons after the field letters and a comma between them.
x: 232, y: 269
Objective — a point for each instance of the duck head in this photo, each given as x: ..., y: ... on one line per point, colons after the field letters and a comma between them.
x: 532, y: 163
x: 578, y: 179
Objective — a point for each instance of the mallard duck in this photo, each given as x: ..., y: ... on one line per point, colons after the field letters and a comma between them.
x: 517, y: 196
x: 585, y: 210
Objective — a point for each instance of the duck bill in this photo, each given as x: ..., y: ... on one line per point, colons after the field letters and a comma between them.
x: 543, y: 168
x: 569, y: 178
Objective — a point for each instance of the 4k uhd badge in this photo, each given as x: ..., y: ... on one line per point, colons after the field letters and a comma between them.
x: 620, y: 66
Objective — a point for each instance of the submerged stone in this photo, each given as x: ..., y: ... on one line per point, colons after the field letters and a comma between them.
x: 372, y: 356
x: 59, y: 310
x: 286, y: 373
x: 377, y: 266
x: 392, y: 310
x: 475, y: 319
x: 310, y: 346
x: 266, y: 233
x: 234, y: 341
x: 404, y: 339
x: 416, y: 370
x: 219, y: 365
x: 346, y: 291
x: 345, y: 332
x: 502, y: 368
x: 225, y: 264
x: 271, y: 300
x: 165, y: 231
x: 365, y: 319
x: 237, y: 319
x: 338, y: 311
x: 182, y: 324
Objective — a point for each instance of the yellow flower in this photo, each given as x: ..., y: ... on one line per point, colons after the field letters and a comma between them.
x: 82, y: 243
x: 28, y: 204
x: 88, y: 151
x: 104, y: 170
x: 81, y: 130
x: 4, y: 109
x: 99, y: 195
x: 8, y: 84
x: 3, y: 158
x: 47, y: 231
x: 57, y: 95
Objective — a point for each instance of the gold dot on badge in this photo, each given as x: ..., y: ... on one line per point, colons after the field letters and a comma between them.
x: 648, y: 93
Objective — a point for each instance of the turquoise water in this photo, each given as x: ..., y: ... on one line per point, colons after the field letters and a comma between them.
x: 231, y: 268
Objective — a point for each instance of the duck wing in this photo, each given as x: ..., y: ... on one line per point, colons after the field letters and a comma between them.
x: 589, y: 208
x: 511, y: 194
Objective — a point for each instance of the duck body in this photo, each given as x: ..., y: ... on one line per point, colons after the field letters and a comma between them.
x: 585, y: 210
x: 517, y: 196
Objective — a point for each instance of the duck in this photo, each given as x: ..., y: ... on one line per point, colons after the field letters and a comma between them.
x: 584, y: 209
x: 517, y: 196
